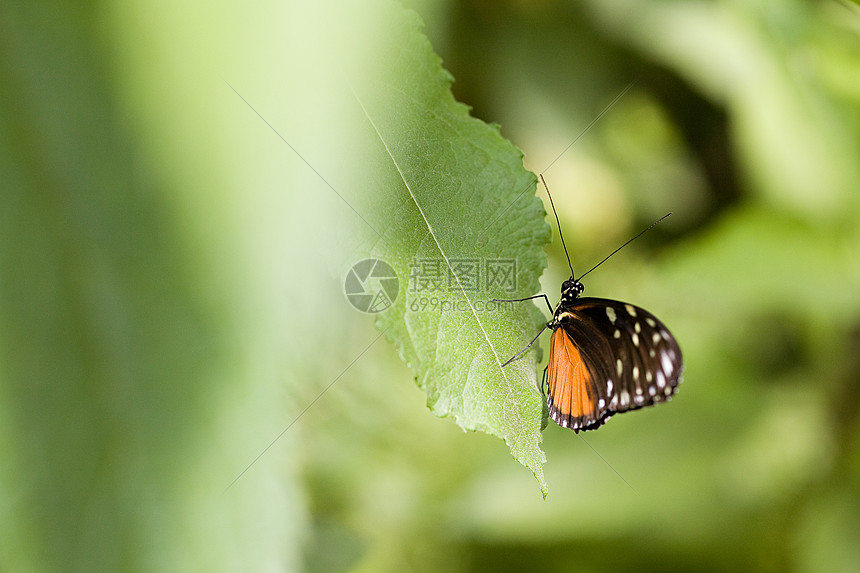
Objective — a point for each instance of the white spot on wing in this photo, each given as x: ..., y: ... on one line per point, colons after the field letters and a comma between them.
x: 609, y: 387
x: 667, y: 363
x: 637, y: 327
x: 610, y: 312
x: 630, y: 310
x: 655, y: 338
x: 618, y: 366
x: 651, y: 322
x: 636, y: 373
x: 661, y: 380
x: 635, y: 338
x: 616, y: 334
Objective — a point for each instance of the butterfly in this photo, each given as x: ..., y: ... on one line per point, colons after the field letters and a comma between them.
x: 606, y: 356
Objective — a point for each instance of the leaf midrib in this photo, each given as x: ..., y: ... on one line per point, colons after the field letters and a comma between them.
x: 435, y: 240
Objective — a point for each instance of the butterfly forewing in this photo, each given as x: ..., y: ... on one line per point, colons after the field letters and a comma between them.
x: 608, y: 357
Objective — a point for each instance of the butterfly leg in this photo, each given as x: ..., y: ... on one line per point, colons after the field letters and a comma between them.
x: 545, y: 404
x: 525, y: 299
x: 543, y: 383
x: 529, y: 345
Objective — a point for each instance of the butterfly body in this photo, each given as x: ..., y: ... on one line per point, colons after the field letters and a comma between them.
x: 606, y: 357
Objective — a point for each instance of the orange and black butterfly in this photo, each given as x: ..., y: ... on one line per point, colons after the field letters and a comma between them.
x: 606, y: 357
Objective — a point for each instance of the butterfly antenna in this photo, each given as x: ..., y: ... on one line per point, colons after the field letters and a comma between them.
x: 642, y: 232
x: 542, y: 180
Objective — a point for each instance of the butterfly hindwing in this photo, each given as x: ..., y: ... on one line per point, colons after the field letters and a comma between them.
x: 608, y: 357
x: 572, y: 394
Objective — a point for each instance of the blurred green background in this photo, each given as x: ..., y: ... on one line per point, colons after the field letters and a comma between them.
x: 170, y: 292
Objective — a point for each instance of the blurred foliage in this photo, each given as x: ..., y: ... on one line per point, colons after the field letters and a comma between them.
x: 170, y: 291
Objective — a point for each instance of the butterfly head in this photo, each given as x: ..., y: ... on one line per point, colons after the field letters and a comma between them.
x: 571, y: 289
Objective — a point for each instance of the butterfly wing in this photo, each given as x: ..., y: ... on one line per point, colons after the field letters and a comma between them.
x: 574, y: 397
x: 608, y: 357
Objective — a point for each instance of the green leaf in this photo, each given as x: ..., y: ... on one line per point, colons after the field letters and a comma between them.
x: 451, y: 202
